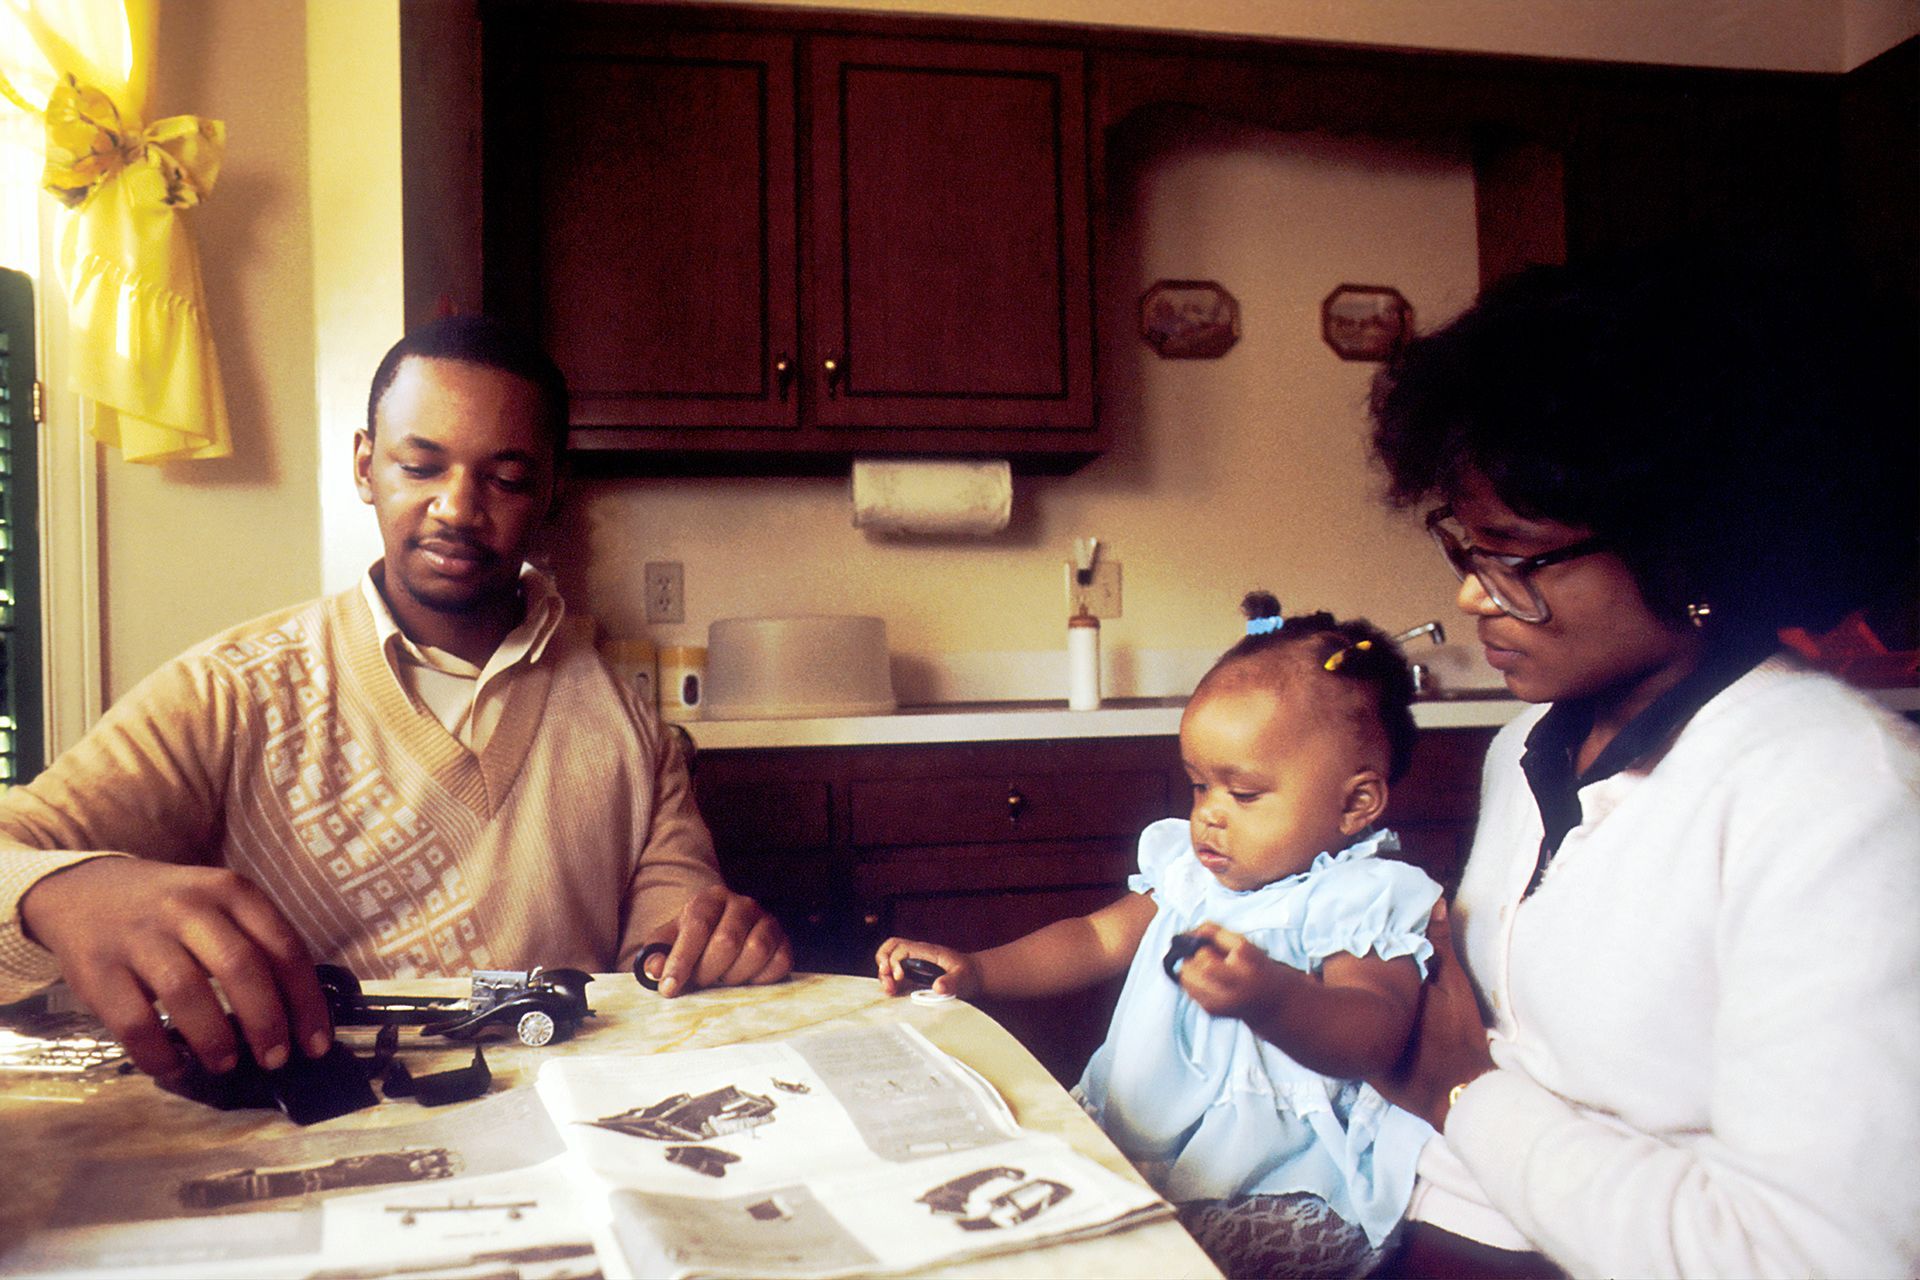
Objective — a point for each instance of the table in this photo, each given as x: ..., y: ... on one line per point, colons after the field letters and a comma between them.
x: 42, y: 1136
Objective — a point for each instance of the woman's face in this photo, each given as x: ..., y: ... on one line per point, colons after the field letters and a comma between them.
x: 1601, y: 639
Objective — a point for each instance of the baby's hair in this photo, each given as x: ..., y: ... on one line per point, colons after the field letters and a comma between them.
x: 1353, y: 651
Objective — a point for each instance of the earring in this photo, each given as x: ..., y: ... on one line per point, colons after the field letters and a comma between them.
x: 1699, y: 612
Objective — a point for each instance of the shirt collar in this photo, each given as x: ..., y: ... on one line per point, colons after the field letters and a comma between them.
x: 544, y: 611
x: 1554, y: 742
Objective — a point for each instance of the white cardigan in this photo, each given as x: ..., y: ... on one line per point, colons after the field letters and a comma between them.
x: 1707, y: 1018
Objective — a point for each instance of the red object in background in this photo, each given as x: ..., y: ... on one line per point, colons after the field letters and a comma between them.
x: 1854, y: 653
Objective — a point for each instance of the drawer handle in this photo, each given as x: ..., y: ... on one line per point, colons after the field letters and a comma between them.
x: 870, y: 919
x: 1016, y: 804
x: 831, y: 367
x: 783, y: 376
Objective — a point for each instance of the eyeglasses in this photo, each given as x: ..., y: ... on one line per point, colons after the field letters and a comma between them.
x: 1508, y: 580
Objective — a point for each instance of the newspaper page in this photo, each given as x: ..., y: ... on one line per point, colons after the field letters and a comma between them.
x: 480, y: 1191
x: 853, y: 1151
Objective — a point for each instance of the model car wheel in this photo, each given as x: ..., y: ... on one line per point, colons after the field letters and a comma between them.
x: 535, y: 1028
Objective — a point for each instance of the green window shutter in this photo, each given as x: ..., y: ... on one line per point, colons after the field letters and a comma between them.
x: 22, y: 735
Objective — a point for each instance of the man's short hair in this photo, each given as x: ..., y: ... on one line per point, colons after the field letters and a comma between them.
x: 491, y: 344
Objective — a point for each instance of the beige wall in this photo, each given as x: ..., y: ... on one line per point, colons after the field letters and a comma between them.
x: 190, y: 548
x: 1248, y: 470
x: 1231, y: 472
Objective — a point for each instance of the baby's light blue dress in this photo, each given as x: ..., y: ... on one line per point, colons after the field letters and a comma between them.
x: 1209, y: 1110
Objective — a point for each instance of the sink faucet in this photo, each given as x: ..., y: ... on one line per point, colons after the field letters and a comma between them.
x: 1434, y: 629
x: 1421, y: 682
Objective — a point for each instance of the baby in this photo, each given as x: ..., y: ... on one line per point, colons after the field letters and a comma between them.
x: 1272, y: 958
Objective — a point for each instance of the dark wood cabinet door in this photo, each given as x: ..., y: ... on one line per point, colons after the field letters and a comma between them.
x: 661, y: 266
x: 949, y: 247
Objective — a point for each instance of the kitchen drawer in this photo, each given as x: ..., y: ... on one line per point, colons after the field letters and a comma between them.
x: 1007, y: 808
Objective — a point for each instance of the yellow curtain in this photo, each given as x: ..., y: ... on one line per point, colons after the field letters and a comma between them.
x: 143, y: 358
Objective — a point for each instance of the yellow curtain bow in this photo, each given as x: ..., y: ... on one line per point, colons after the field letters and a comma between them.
x: 142, y: 356
x: 175, y: 161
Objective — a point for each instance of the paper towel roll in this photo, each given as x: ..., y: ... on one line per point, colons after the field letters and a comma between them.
x: 947, y: 497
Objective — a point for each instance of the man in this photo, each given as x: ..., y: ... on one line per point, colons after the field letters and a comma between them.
x: 426, y: 774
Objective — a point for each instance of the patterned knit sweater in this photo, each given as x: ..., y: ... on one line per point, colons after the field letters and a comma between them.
x: 286, y: 750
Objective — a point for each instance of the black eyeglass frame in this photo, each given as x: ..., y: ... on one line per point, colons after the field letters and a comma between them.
x: 1465, y: 558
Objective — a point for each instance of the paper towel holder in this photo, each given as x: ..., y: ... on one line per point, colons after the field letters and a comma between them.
x: 931, y: 498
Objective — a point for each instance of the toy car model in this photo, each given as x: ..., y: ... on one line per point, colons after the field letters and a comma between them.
x: 541, y: 1005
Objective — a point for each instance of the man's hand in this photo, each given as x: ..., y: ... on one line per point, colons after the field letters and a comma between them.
x: 1448, y: 1046
x: 721, y: 939
x: 128, y: 932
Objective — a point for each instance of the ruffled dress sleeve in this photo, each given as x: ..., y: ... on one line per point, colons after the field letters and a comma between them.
x: 1363, y: 904
x: 1161, y: 846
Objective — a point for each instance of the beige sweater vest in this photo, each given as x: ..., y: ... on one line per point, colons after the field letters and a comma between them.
x: 286, y: 750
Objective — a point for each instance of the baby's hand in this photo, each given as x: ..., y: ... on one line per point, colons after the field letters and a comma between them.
x: 1227, y: 975
x: 962, y: 976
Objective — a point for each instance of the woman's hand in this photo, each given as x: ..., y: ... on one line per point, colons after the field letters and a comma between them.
x: 962, y: 977
x: 1448, y: 1047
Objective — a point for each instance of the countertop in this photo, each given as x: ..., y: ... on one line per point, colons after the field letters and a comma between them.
x: 1031, y: 721
x: 1045, y: 720
x: 128, y: 1120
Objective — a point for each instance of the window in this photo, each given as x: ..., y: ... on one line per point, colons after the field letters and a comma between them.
x: 21, y: 750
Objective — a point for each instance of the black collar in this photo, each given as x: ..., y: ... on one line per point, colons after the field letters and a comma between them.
x: 1554, y: 743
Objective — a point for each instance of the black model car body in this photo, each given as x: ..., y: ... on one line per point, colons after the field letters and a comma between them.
x: 541, y: 1005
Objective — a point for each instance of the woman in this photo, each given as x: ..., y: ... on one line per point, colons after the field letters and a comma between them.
x: 1691, y: 917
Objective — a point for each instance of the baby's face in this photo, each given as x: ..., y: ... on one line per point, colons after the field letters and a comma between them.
x: 1272, y: 774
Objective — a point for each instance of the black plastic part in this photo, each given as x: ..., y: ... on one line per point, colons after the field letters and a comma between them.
x: 921, y: 973
x: 307, y: 1090
x: 647, y: 953
x: 1181, y: 949
x: 457, y: 1085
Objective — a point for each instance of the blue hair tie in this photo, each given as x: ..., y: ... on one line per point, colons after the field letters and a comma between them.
x: 1265, y: 626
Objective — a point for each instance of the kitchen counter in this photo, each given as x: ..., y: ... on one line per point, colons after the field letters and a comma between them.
x: 1041, y: 720
x: 1035, y: 721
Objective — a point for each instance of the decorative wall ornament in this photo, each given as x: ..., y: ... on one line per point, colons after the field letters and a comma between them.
x: 1365, y: 321
x: 1189, y: 319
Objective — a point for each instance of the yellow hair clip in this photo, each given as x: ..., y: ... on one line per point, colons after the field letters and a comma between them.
x: 1340, y: 656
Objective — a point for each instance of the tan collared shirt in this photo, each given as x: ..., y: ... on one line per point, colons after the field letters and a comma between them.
x: 464, y: 698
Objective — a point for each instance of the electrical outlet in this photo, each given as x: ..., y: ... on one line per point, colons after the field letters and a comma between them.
x: 666, y: 591
x: 1099, y: 598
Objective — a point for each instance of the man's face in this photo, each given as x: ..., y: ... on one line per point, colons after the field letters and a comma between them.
x: 459, y: 475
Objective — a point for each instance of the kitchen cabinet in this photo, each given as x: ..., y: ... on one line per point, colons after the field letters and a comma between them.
x: 975, y: 844
x: 782, y: 244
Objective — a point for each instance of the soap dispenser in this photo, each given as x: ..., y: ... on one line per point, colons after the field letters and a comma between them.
x: 1083, y: 662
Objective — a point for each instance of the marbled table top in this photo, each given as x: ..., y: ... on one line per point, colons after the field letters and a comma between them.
x: 45, y: 1130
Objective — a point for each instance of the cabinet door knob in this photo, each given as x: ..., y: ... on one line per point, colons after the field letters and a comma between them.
x: 831, y: 367
x: 870, y: 919
x: 1016, y: 804
x: 783, y: 375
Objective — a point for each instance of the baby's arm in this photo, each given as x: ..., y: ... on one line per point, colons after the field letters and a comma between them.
x: 1063, y: 956
x: 1352, y: 1019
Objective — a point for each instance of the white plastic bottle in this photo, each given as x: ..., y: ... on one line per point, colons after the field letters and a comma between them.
x: 1083, y: 662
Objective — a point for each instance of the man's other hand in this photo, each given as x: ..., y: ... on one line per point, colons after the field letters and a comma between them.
x: 721, y: 939
x: 128, y: 932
